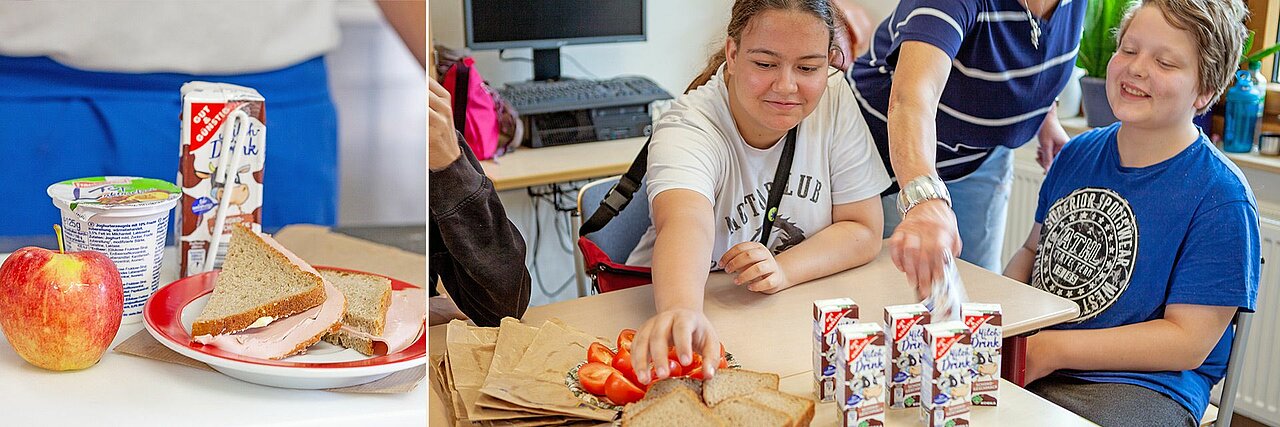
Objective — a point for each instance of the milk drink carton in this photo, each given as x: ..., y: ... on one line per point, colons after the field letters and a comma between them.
x: 904, y: 333
x: 215, y: 117
x: 827, y: 315
x: 861, y: 359
x: 944, y: 394
x: 984, y: 322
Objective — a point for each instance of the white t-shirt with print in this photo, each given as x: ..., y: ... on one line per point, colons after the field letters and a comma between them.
x: 696, y: 146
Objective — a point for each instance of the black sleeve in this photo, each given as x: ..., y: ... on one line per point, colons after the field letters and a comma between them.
x: 476, y: 251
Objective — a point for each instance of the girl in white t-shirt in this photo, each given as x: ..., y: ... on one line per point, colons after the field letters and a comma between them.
x: 713, y: 157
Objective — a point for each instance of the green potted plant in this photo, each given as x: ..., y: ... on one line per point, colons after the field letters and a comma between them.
x: 1097, y: 45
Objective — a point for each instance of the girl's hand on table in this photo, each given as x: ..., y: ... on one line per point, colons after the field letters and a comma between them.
x: 688, y: 330
x: 754, y: 266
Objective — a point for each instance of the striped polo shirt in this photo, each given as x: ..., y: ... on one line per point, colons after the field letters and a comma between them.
x: 1000, y: 86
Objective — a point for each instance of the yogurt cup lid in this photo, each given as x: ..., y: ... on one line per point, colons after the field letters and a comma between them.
x: 103, y: 194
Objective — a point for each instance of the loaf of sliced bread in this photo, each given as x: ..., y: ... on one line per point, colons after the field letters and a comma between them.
x: 368, y: 297
x: 661, y: 388
x: 798, y: 409
x: 745, y: 412
x: 728, y: 383
x: 259, y: 279
x: 680, y: 407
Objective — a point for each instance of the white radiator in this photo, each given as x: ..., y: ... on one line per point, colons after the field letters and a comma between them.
x: 1027, y: 176
x: 1258, y: 395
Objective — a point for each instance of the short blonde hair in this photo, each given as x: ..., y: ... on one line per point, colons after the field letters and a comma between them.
x: 1217, y: 26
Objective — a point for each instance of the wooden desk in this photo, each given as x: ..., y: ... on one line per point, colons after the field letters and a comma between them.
x: 528, y: 167
x: 773, y: 333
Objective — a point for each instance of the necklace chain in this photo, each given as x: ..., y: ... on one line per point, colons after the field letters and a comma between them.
x: 1035, y: 25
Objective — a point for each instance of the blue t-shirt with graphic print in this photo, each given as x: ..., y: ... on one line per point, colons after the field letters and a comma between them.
x: 1123, y: 243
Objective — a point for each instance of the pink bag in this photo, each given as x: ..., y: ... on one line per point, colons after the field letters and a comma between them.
x: 473, y: 109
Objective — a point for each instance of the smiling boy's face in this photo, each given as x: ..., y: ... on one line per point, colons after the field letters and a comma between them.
x: 1153, y: 79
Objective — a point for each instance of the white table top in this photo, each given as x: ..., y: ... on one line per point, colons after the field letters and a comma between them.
x: 132, y: 391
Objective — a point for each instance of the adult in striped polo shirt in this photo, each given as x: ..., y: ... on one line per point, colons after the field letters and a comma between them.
x: 947, y: 89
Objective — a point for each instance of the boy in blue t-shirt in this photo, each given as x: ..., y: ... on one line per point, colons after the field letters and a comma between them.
x: 1149, y: 229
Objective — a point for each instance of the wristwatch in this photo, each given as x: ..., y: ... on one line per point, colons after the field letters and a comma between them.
x: 922, y: 189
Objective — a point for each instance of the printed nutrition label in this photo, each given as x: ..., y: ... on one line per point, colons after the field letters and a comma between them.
x: 136, y: 248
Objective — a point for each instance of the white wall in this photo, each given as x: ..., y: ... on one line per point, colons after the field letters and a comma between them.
x: 681, y: 34
x: 380, y: 95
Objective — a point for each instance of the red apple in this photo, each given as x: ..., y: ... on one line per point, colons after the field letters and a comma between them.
x: 60, y: 311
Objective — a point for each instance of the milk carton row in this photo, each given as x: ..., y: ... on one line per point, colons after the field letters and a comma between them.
x: 867, y: 368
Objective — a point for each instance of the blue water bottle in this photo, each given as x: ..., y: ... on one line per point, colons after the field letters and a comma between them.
x: 1242, y: 118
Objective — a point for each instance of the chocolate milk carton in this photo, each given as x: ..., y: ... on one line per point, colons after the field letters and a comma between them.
x: 984, y: 322
x: 944, y: 394
x: 215, y: 117
x: 827, y: 315
x: 861, y: 359
x: 904, y: 328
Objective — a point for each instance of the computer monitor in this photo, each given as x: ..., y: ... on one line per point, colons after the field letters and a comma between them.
x: 545, y: 25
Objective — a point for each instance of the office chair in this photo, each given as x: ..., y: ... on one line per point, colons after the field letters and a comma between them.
x: 622, y: 234
x: 1227, y: 400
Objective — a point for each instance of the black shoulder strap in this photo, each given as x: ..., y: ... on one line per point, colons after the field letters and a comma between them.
x: 462, y: 80
x: 622, y: 192
x: 778, y: 186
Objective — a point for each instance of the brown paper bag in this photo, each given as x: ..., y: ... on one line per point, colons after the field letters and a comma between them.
x: 537, y: 381
x: 514, y: 339
x: 470, y: 351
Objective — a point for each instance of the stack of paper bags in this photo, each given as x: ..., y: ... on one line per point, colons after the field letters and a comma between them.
x: 514, y: 375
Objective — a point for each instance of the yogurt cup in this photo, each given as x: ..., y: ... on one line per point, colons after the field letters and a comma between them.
x: 126, y: 218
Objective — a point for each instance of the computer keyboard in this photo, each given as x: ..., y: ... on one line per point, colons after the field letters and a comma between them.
x: 565, y: 95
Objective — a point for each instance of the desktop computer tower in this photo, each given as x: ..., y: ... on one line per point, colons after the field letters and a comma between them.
x: 587, y: 125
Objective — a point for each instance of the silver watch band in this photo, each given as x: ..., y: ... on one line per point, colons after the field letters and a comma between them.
x: 920, y: 190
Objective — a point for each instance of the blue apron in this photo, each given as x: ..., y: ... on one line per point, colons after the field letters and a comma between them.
x: 58, y: 123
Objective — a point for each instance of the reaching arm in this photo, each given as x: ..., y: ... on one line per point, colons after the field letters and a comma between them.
x: 685, y: 232
x: 685, y: 225
x: 918, y: 242
x: 918, y: 81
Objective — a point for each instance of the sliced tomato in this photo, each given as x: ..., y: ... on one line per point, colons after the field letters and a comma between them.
x: 593, y: 375
x: 696, y: 373
x: 625, y: 338
x: 673, y: 370
x: 696, y: 360
x: 622, y: 362
x: 599, y: 353
x: 621, y: 390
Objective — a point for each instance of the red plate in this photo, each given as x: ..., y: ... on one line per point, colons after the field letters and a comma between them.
x: 163, y: 316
